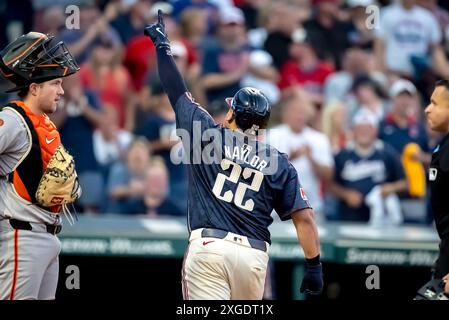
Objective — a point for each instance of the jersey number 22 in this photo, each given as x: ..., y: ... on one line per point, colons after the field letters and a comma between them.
x: 236, y: 171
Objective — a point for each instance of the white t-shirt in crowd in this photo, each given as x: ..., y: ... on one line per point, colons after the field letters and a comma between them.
x: 107, y: 152
x: 284, y: 139
x: 406, y: 33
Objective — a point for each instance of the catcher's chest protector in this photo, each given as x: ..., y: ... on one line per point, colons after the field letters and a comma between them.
x: 44, y: 141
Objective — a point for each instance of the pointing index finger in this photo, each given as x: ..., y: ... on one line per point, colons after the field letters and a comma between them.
x: 160, y: 17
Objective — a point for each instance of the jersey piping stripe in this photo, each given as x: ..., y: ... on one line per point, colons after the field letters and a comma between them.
x: 185, y: 289
x: 16, y: 264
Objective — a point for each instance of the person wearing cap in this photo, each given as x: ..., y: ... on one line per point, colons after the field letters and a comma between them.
x: 402, y: 126
x: 305, y: 69
x: 29, y: 140
x: 365, y: 164
x: 225, y: 64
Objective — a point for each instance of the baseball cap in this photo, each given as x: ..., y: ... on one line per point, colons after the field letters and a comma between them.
x: 359, y: 3
x: 230, y: 15
x: 165, y: 7
x: 401, y: 86
x: 365, y: 116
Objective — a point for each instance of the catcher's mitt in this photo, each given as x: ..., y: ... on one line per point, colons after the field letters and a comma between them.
x: 59, y: 185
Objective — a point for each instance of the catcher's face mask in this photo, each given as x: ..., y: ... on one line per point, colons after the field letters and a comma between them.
x: 34, y: 57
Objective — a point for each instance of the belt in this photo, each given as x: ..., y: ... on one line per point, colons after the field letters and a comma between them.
x: 221, y: 234
x: 25, y: 225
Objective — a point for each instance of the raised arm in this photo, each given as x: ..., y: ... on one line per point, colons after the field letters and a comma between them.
x: 171, y: 78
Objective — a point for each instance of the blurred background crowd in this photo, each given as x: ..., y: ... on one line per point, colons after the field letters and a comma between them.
x: 348, y: 80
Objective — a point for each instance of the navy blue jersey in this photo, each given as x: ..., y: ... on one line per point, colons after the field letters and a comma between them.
x: 363, y: 174
x: 234, y: 181
x: 398, y: 137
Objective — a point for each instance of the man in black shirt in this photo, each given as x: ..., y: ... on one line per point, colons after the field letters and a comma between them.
x: 437, y: 113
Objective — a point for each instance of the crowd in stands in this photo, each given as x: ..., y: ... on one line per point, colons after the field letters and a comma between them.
x: 348, y: 81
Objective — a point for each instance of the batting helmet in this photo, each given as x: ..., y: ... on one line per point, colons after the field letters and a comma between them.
x: 251, y: 109
x: 34, y: 58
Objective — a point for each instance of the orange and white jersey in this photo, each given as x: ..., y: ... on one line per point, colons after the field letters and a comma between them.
x: 15, y: 145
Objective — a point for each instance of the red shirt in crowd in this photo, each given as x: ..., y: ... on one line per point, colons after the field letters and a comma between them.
x: 311, y: 80
x: 112, y: 88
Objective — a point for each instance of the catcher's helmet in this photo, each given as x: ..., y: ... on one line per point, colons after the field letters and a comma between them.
x: 34, y: 58
x: 251, y: 109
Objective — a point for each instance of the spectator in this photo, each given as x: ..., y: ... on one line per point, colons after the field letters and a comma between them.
x: 110, y: 142
x: 92, y: 26
x: 402, y: 126
x: 355, y: 61
x: 53, y: 19
x: 180, y: 55
x: 335, y: 125
x: 126, y: 184
x: 225, y: 64
x: 305, y: 69
x: 193, y: 29
x: 368, y: 95
x: 439, y: 13
x: 328, y: 34
x: 280, y: 22
x: 139, y: 55
x: 262, y: 75
x: 368, y: 174
x: 407, y: 33
x: 193, y: 24
x: 360, y: 34
x: 77, y: 117
x: 159, y: 128
x: 14, y: 20
x: 156, y: 201
x: 131, y: 22
x: 105, y: 75
x: 309, y: 150
x: 180, y: 6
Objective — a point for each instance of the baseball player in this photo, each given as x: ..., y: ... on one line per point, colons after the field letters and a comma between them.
x: 437, y: 114
x: 38, y: 177
x: 230, y: 199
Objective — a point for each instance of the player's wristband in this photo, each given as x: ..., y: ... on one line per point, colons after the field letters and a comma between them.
x: 314, y: 261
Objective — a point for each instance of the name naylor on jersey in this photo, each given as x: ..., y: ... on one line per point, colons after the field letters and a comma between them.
x: 243, y: 154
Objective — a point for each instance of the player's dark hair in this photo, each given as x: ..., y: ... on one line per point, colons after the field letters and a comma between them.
x: 443, y: 83
x: 23, y: 92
